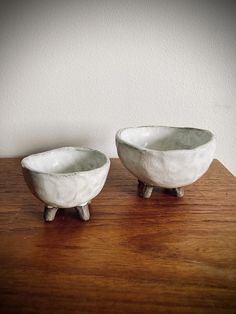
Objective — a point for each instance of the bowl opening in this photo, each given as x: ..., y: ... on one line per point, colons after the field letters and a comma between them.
x: 165, y: 138
x: 65, y: 160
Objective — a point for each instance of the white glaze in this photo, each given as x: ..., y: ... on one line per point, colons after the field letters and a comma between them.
x: 66, y: 177
x: 168, y: 157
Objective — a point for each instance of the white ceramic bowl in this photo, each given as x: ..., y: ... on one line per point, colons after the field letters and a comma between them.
x: 66, y: 177
x: 168, y: 157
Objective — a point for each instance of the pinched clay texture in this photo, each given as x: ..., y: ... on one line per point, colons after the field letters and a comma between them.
x: 159, y: 166
x: 66, y: 189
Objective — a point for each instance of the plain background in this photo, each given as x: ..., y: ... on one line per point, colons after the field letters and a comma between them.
x: 74, y: 72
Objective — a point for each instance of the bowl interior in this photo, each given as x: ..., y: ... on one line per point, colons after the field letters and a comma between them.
x: 165, y: 138
x: 65, y: 160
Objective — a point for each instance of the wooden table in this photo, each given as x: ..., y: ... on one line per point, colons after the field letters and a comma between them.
x: 158, y: 255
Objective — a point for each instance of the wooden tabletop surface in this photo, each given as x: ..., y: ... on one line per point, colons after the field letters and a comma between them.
x: 157, y: 255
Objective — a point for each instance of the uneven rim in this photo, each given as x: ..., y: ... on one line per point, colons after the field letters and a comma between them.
x: 65, y: 173
x: 140, y: 148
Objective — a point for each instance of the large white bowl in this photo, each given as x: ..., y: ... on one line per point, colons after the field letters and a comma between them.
x: 168, y: 157
x: 66, y: 177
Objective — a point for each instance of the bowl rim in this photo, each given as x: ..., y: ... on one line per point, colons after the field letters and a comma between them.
x: 144, y: 149
x: 23, y: 165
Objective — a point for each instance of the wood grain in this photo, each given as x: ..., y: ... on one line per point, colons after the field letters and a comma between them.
x: 159, y: 255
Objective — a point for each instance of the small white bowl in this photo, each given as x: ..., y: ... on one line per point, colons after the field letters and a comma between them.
x: 66, y: 177
x: 168, y: 157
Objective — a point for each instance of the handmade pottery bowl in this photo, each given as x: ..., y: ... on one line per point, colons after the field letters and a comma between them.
x: 66, y: 177
x: 168, y: 157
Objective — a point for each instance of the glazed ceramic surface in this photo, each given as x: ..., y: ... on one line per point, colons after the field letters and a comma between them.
x: 66, y: 177
x: 163, y: 156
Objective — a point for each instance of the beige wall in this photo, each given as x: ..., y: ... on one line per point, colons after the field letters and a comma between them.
x: 74, y: 72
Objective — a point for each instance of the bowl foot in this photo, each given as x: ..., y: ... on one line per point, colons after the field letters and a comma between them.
x: 144, y: 190
x: 83, y: 211
x: 50, y: 212
x: 179, y: 192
